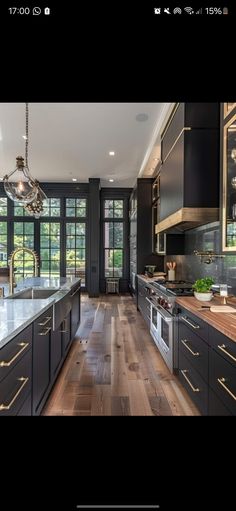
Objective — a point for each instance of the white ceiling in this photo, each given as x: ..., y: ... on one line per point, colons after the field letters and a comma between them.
x: 73, y: 140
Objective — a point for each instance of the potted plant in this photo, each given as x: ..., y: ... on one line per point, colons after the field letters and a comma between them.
x: 202, y: 289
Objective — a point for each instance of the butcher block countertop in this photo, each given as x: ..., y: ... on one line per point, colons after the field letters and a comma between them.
x: 224, y: 322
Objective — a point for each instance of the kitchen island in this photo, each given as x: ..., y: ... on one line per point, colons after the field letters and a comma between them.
x: 35, y: 337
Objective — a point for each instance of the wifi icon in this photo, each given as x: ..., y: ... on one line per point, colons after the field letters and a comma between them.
x: 189, y: 10
x: 177, y: 10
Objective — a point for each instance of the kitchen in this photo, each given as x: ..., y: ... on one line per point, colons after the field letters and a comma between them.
x: 117, y: 273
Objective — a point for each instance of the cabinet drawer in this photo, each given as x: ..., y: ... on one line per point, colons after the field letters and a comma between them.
x: 223, y: 380
x: 173, y: 131
x: 194, y: 324
x: 216, y: 407
x: 194, y: 384
x: 43, y: 323
x: 195, y: 349
x: 223, y: 345
x: 12, y: 353
x: 26, y: 409
x: 16, y: 386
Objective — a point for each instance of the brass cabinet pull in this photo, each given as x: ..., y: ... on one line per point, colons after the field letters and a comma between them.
x: 189, y: 322
x: 45, y: 322
x: 223, y: 348
x: 23, y: 346
x: 7, y: 407
x: 184, y: 371
x: 64, y: 331
x: 222, y: 383
x: 194, y: 353
x: 46, y: 331
x: 75, y: 291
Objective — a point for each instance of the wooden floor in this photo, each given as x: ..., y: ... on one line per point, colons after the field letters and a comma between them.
x: 114, y: 367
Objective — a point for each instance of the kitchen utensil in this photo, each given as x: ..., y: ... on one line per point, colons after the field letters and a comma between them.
x: 222, y: 308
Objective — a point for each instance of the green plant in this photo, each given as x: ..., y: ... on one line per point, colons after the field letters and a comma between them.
x: 203, y: 285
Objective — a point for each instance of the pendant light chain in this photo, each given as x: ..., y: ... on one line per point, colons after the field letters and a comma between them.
x: 26, y: 132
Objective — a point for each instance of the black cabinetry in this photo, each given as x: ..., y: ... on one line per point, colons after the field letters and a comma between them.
x: 141, y: 232
x: 75, y: 310
x: 41, y: 359
x: 207, y: 365
x: 189, y: 176
x: 142, y: 302
x: 15, y: 374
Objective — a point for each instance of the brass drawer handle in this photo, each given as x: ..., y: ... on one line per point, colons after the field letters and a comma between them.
x: 194, y: 353
x: 45, y: 322
x: 222, y: 383
x: 7, y: 407
x: 64, y: 331
x: 189, y: 323
x: 75, y: 291
x: 23, y: 346
x: 46, y: 331
x: 223, y: 348
x: 184, y: 371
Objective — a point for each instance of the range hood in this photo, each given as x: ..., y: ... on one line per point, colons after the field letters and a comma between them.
x: 187, y: 218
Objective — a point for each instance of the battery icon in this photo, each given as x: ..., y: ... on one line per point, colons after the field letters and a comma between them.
x: 225, y: 10
x: 46, y: 10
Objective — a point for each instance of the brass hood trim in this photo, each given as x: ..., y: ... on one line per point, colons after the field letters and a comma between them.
x: 188, y: 218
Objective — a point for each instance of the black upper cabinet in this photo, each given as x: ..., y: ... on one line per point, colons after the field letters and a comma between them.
x: 190, y: 159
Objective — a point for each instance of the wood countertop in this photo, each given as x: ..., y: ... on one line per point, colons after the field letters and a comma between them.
x: 145, y: 278
x: 224, y: 322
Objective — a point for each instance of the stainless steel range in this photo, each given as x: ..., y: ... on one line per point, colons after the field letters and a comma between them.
x: 164, y: 320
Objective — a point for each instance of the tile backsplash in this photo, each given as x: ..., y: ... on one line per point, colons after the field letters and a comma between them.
x: 189, y: 266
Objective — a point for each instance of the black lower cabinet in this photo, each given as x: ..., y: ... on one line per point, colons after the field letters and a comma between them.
x: 16, y: 387
x: 66, y: 334
x: 216, y: 406
x: 194, y: 384
x: 41, y: 360
x: 26, y: 409
x: 75, y: 310
x: 56, y: 351
x: 223, y: 381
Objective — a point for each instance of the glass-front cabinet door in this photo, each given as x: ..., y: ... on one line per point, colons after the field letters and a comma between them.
x: 229, y: 185
x: 228, y: 107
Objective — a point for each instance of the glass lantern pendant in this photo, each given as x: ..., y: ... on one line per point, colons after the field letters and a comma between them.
x: 19, y: 185
x: 35, y: 208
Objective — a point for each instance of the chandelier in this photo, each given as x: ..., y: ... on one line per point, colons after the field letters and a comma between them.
x: 19, y: 184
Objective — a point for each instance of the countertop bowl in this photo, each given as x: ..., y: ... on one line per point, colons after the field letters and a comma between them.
x: 203, y: 297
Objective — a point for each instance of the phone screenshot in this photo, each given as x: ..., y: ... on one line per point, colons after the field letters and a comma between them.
x: 117, y: 211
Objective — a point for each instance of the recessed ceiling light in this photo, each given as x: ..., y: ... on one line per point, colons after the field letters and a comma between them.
x: 74, y: 179
x: 141, y: 117
x: 24, y: 137
x: 155, y: 159
x: 111, y: 153
x: 111, y: 180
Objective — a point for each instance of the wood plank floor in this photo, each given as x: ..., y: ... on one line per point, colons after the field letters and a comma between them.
x: 114, y: 367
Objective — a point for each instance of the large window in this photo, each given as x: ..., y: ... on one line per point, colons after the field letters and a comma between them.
x: 23, y: 237
x: 113, y: 238
x: 3, y: 244
x: 58, y: 236
x: 50, y: 249
x: 75, y: 249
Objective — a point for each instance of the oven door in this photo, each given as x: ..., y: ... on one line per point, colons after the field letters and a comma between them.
x: 166, y: 332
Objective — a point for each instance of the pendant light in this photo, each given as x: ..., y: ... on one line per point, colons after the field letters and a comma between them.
x: 19, y: 184
x: 35, y: 208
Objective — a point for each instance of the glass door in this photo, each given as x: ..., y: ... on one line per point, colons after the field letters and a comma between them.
x: 229, y: 187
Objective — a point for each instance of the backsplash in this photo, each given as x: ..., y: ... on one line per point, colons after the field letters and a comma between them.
x: 189, y: 266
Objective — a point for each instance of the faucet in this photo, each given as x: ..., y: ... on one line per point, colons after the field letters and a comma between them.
x: 12, y: 283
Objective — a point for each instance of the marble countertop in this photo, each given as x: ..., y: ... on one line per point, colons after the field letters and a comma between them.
x: 15, y: 315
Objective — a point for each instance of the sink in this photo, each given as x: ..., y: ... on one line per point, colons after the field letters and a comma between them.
x: 33, y: 293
